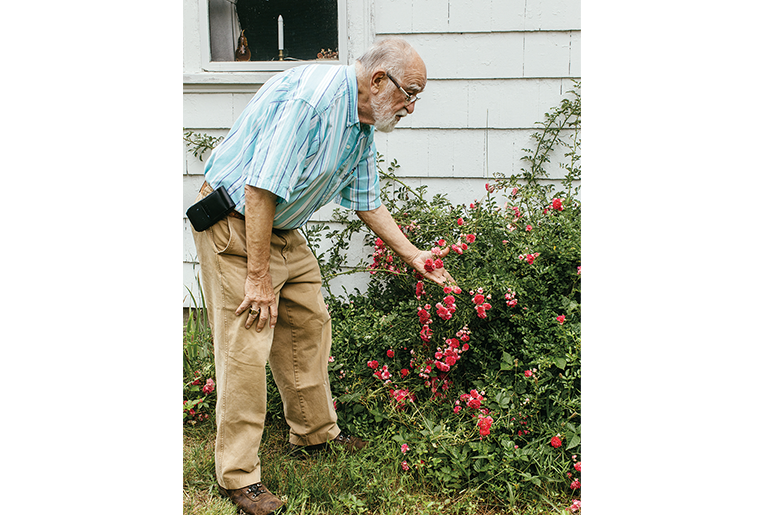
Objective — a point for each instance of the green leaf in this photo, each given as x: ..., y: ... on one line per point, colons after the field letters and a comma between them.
x: 507, y: 362
x: 560, y: 362
x: 574, y: 441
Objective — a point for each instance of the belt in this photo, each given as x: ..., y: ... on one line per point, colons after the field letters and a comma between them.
x: 206, y: 190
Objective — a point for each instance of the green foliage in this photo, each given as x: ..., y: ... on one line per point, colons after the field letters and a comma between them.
x: 198, y: 143
x: 516, y: 263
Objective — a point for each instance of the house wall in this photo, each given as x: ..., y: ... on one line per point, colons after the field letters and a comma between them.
x: 494, y: 68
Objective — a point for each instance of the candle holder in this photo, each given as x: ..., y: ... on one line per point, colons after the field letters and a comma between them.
x: 280, y: 54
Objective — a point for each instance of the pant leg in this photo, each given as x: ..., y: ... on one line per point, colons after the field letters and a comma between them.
x: 240, y: 353
x: 300, y: 353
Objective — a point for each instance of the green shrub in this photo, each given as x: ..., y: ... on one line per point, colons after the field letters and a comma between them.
x: 425, y: 367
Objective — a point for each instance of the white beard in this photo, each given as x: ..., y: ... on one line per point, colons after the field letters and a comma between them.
x: 384, y: 122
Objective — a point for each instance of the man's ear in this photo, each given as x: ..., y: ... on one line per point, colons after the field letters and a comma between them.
x: 379, y: 78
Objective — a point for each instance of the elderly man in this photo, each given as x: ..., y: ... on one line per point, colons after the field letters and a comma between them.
x: 306, y: 138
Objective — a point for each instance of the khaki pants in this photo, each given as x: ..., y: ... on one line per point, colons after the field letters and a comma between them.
x: 297, y: 349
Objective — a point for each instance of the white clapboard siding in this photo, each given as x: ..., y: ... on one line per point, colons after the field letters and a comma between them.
x: 505, y: 55
x: 410, y: 16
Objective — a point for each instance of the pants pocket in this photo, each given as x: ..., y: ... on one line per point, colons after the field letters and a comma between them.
x: 228, y: 236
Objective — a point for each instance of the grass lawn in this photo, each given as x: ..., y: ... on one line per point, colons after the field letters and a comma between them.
x: 330, y: 483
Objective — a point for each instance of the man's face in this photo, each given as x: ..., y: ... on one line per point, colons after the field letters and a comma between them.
x: 389, y: 107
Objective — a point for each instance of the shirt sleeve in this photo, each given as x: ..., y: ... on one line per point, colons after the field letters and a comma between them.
x: 287, y: 138
x: 363, y: 193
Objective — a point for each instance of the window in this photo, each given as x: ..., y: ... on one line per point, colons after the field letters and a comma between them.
x: 312, y: 29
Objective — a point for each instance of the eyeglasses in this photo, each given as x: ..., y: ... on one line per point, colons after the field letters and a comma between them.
x: 410, y: 99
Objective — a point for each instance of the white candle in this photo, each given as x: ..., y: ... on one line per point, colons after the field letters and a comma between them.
x: 280, y: 32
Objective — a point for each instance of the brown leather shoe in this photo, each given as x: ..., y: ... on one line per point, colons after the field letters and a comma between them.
x: 254, y: 499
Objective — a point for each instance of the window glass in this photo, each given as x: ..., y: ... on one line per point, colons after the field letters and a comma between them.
x: 309, y: 28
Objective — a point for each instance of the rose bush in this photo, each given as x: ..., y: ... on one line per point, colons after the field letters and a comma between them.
x: 479, y: 379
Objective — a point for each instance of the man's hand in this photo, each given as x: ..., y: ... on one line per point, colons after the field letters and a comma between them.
x: 259, y: 299
x: 381, y: 222
x: 437, y: 275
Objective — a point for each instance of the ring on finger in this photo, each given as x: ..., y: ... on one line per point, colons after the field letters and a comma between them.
x: 254, y: 312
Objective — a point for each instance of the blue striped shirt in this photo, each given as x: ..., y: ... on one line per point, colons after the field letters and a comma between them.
x: 300, y: 138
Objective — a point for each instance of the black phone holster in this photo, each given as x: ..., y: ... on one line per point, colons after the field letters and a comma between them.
x: 210, y: 209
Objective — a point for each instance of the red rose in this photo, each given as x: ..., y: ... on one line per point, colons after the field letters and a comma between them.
x: 556, y: 442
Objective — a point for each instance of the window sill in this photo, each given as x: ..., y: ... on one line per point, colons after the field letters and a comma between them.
x: 260, y: 66
x: 239, y: 77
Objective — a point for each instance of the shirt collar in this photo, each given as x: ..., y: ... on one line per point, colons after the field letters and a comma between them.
x: 352, y: 84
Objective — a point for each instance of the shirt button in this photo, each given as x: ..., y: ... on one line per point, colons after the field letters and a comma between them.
x: 348, y: 146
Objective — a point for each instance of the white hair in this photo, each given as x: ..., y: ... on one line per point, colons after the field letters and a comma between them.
x: 391, y: 54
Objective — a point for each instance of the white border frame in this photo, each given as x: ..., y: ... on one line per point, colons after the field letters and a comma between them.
x: 208, y: 65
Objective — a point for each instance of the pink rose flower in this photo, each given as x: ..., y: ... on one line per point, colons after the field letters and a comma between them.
x: 209, y: 386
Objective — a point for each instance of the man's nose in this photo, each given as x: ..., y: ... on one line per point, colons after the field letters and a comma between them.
x: 410, y: 108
